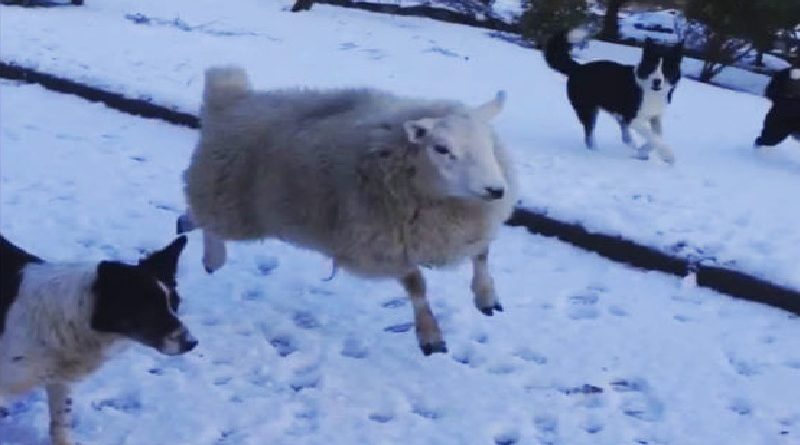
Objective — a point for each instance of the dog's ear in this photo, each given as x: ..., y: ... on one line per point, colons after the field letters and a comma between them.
x: 677, y: 50
x: 164, y: 263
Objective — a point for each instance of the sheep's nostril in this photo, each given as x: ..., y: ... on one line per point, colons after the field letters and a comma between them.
x: 495, y: 192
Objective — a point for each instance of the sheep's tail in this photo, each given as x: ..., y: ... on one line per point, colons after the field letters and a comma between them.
x: 224, y: 86
x: 557, y: 52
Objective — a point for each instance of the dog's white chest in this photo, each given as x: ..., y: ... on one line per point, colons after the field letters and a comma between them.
x: 653, y: 103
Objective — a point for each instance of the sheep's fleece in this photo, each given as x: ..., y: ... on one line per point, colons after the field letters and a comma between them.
x: 334, y: 171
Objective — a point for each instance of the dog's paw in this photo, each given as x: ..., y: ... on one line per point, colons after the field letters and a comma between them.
x: 642, y: 154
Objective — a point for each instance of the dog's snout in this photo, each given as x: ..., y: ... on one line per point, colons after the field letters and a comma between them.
x: 188, y: 343
x: 657, y: 84
x: 495, y: 192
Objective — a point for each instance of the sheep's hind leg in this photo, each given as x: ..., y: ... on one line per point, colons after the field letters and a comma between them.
x: 483, y: 285
x: 428, y: 333
x: 60, y: 406
x: 214, y: 254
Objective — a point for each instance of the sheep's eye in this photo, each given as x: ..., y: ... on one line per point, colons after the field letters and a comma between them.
x: 441, y: 149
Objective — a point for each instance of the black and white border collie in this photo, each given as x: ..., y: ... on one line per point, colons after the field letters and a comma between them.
x: 635, y: 95
x: 783, y: 118
x: 58, y: 321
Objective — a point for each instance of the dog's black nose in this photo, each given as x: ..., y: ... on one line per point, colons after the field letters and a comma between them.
x: 188, y: 344
x: 656, y: 84
x: 495, y: 192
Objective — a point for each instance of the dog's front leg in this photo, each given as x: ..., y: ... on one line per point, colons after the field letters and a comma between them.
x: 655, y: 122
x: 653, y: 141
x: 60, y: 405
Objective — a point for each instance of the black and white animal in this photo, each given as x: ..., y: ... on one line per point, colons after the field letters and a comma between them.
x: 382, y: 184
x: 783, y: 118
x: 59, y: 321
x: 635, y: 95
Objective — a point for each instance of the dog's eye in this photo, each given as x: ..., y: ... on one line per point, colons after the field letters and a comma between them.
x: 441, y: 149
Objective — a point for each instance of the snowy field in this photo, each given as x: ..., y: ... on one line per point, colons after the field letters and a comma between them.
x: 723, y: 202
x: 587, y: 351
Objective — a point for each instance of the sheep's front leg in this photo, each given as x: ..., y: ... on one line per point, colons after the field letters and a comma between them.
x: 428, y: 333
x: 214, y: 253
x: 483, y: 285
x: 185, y: 223
x: 60, y: 404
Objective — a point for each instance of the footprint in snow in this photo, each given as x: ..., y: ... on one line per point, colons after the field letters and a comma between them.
x: 426, y: 412
x: 252, y: 295
x: 399, y: 328
x: 394, y: 303
x: 740, y: 406
x: 379, y: 417
x: 305, y: 379
x: 354, y: 348
x: 637, y: 400
x: 546, y: 428
x: 743, y: 367
x: 266, y: 264
x: 283, y: 344
x: 305, y: 320
x: 129, y: 403
x: 510, y: 437
x: 530, y: 356
x: 583, y: 305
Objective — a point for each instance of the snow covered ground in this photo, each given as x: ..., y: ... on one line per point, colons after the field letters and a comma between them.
x: 587, y: 351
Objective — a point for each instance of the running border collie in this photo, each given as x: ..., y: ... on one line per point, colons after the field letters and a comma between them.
x: 783, y: 118
x: 59, y: 321
x: 635, y: 95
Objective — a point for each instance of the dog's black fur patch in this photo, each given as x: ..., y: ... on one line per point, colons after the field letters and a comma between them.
x: 13, y: 260
x: 783, y: 118
x: 129, y: 300
x: 608, y: 85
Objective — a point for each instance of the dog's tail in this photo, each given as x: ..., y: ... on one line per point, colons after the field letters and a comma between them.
x: 557, y: 52
x: 224, y: 86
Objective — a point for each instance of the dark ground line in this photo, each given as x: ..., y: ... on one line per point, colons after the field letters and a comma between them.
x: 616, y: 248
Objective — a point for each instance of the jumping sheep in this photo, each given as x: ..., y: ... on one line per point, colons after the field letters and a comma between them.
x: 381, y: 184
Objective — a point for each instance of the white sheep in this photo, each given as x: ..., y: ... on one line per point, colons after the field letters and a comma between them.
x: 381, y: 184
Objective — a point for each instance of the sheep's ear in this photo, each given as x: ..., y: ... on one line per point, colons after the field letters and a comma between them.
x: 417, y: 130
x: 489, y: 110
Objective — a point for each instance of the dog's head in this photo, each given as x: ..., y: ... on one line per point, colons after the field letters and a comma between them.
x: 459, y: 150
x: 660, y: 67
x: 139, y: 301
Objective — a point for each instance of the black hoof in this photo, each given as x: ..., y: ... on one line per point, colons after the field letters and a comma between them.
x: 489, y: 311
x: 430, y: 348
x: 183, y: 225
